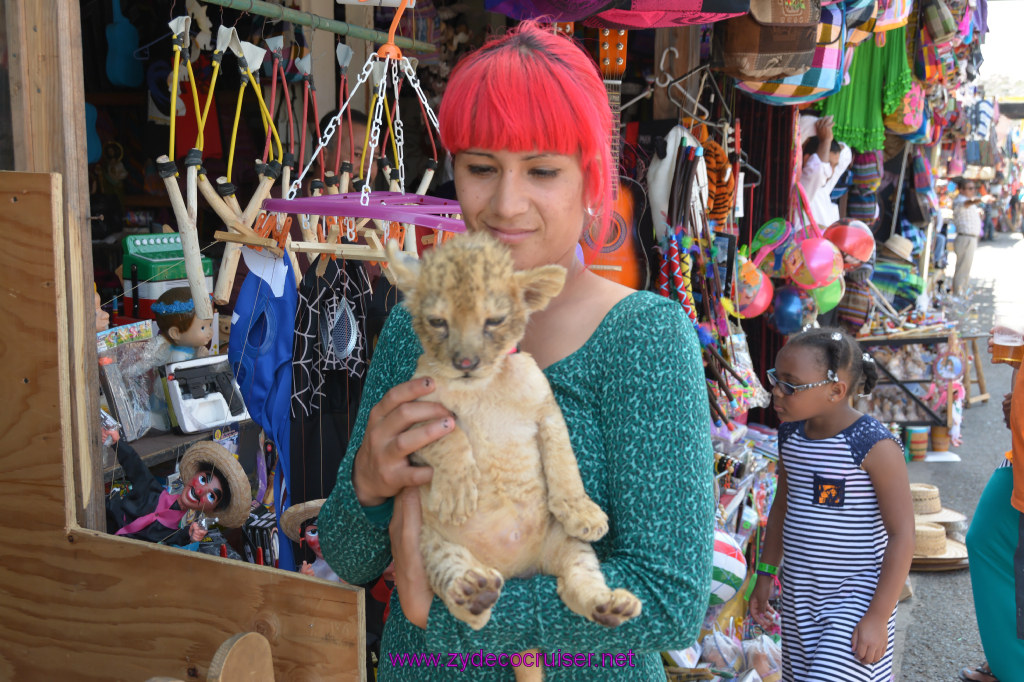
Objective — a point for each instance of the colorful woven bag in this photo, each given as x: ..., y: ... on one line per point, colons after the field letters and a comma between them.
x: 894, y: 14
x: 825, y: 76
x: 867, y: 171
x: 775, y: 40
x: 909, y: 115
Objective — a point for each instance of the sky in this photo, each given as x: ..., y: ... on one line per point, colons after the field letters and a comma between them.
x: 1001, y: 72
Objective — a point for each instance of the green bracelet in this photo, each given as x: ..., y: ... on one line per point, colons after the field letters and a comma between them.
x: 767, y: 568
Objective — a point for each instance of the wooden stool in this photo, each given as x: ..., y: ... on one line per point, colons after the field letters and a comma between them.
x: 979, y: 373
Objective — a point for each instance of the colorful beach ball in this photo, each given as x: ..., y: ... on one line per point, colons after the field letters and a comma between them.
x: 790, y: 309
x: 854, y: 240
x: 812, y: 263
x: 754, y: 290
x: 829, y: 296
x: 730, y: 568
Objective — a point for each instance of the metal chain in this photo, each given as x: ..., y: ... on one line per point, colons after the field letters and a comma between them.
x: 378, y: 111
x: 332, y: 126
x: 410, y: 74
x: 399, y: 131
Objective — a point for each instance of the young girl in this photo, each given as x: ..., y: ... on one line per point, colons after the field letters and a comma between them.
x: 843, y: 517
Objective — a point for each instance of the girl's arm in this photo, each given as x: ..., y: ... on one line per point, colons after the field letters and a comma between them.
x: 886, y: 466
x: 771, y: 549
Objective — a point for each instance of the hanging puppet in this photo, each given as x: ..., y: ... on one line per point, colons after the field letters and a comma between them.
x: 215, y: 487
x: 299, y: 523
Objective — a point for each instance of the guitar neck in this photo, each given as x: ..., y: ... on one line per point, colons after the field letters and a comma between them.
x: 614, y: 89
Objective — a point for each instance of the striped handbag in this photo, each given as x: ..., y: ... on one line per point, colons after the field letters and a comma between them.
x: 825, y: 76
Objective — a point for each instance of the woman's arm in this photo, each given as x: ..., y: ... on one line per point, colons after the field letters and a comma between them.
x: 655, y: 484
x: 886, y: 466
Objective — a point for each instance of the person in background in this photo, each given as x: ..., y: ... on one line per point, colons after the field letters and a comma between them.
x: 842, y: 485
x: 996, y: 554
x: 527, y: 120
x: 967, y: 217
x: 825, y: 161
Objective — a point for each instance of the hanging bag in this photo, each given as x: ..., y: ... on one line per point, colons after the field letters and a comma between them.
x: 942, y: 27
x: 825, y: 76
x: 894, y: 14
x: 775, y: 40
x: 909, y: 114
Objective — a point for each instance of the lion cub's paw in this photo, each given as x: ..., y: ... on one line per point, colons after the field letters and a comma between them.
x: 619, y: 606
x: 471, y: 596
x: 581, y: 518
x: 453, y: 496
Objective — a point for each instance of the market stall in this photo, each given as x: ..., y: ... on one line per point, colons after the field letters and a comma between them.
x: 241, y: 167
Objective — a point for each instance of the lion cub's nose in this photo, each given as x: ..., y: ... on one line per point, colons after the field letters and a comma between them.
x: 466, y: 364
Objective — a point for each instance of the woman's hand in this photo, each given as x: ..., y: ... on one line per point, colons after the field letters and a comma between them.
x: 760, y: 609
x: 398, y: 426
x: 870, y: 638
x: 414, y: 591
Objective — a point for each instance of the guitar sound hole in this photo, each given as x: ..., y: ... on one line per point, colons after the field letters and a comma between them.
x: 615, y: 236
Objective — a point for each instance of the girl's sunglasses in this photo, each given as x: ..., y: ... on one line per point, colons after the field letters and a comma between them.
x: 789, y: 389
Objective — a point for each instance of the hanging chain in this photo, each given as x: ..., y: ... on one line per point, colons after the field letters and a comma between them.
x: 332, y: 127
x: 398, y: 131
x: 410, y: 74
x: 378, y: 111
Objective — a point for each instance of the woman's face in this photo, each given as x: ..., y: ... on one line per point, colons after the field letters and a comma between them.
x: 531, y: 201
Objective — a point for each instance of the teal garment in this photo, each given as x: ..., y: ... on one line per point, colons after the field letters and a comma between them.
x: 636, y: 407
x: 991, y: 541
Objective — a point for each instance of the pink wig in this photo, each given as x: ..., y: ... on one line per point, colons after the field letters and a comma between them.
x: 533, y: 90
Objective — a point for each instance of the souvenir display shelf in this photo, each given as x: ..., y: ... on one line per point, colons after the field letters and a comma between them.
x: 887, y: 377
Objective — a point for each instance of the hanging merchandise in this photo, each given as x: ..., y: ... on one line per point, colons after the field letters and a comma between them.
x: 789, y: 309
x: 941, y: 25
x: 829, y: 296
x: 777, y: 39
x: 909, y: 114
x: 879, y: 79
x: 854, y: 240
x: 634, y: 14
x: 893, y: 15
x: 753, y: 289
x: 813, y: 262
x: 822, y: 79
x: 769, y: 246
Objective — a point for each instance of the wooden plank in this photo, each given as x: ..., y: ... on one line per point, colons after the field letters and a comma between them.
x: 686, y: 41
x: 48, y: 119
x: 80, y: 604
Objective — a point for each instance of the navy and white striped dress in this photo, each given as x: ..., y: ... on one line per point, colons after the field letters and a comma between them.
x: 833, y: 541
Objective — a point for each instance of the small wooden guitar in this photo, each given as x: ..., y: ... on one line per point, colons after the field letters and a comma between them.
x: 620, y: 256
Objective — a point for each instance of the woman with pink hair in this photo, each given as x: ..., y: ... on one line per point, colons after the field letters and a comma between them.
x: 527, y: 120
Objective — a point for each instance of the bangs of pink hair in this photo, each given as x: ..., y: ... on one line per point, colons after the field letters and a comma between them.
x: 533, y: 90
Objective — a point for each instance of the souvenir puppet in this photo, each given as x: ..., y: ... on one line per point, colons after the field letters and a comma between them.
x: 299, y: 523
x: 215, y: 486
x: 183, y: 335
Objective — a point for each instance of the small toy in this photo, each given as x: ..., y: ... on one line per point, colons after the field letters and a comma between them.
x: 299, y: 523
x: 185, y: 334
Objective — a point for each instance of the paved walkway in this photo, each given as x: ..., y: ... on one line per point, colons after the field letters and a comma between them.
x: 937, y: 633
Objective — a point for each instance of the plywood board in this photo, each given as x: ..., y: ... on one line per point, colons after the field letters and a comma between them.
x: 80, y: 604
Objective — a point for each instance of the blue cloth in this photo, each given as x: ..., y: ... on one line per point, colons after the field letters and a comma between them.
x: 260, y: 352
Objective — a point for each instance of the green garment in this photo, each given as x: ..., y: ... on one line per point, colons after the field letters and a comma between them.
x: 879, y: 79
x: 636, y: 407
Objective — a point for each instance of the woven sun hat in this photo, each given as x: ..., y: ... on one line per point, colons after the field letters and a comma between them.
x: 928, y: 507
x: 293, y: 517
x: 899, y: 247
x: 930, y: 542
x: 230, y: 471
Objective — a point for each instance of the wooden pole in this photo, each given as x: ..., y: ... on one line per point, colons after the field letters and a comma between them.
x: 189, y: 244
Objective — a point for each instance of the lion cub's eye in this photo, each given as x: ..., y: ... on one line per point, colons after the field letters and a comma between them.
x: 437, y: 323
x: 493, y: 321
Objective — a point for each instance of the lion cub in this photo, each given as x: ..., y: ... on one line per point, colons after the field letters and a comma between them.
x: 506, y: 498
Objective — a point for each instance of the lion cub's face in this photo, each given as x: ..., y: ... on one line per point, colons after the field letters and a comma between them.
x: 469, y: 306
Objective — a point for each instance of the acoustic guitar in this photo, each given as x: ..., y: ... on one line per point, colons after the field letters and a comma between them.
x: 620, y: 257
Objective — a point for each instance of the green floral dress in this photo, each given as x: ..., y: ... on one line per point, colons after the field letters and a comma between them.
x: 634, y: 400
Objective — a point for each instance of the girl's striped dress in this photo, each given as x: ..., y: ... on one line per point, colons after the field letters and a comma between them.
x: 833, y: 542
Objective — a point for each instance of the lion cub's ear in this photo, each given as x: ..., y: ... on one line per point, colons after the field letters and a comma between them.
x: 540, y: 285
x: 406, y: 268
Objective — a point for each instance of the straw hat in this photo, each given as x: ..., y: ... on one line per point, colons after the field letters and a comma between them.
x: 215, y: 454
x: 930, y: 542
x: 900, y: 247
x: 928, y: 507
x: 293, y: 517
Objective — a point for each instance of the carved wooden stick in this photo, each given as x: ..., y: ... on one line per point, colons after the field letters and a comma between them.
x: 189, y: 243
